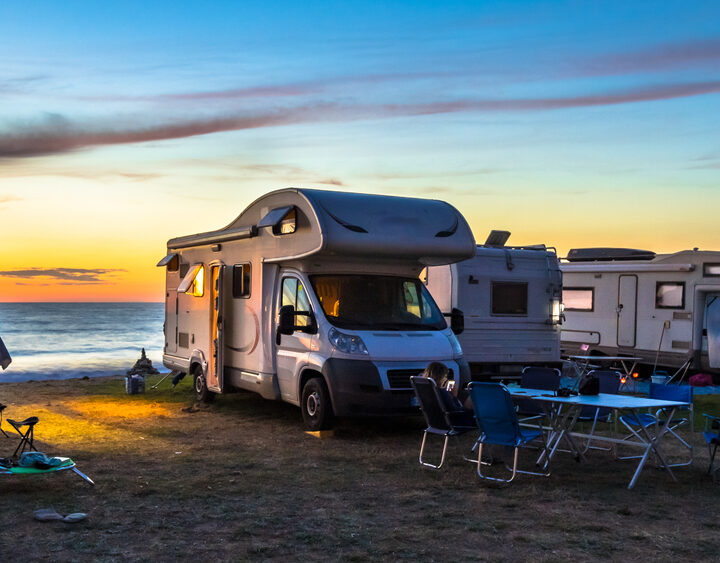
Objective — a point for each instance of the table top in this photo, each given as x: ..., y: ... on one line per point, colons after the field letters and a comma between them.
x: 600, y: 400
x: 606, y: 358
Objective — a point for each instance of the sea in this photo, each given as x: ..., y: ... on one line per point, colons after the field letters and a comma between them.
x: 69, y: 340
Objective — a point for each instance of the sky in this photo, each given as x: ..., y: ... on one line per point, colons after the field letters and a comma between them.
x: 123, y: 125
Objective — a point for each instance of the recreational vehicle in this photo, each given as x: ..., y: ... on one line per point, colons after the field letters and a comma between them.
x: 510, y: 296
x: 313, y: 297
x: 661, y: 308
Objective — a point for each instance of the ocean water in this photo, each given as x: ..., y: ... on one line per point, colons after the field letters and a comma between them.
x: 67, y: 340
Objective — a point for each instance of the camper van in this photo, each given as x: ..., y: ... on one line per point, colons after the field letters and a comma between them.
x: 313, y: 297
x: 663, y: 308
x: 510, y: 296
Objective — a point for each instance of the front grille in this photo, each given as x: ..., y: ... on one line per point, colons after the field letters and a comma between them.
x: 400, y: 378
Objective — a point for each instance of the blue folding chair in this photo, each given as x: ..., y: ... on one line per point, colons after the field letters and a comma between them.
x: 533, y: 377
x: 440, y: 421
x: 681, y: 393
x: 495, y: 414
x: 609, y: 383
x: 712, y: 439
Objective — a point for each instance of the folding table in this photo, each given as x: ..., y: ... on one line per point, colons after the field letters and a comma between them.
x: 564, y: 411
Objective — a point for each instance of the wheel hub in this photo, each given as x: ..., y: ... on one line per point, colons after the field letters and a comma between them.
x: 313, y: 403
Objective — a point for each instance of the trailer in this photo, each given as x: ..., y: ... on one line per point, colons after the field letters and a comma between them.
x: 663, y: 308
x: 510, y: 296
x: 312, y: 297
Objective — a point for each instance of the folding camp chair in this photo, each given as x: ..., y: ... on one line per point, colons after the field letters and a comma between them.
x: 26, y: 436
x: 499, y: 425
x: 609, y: 381
x: 680, y: 393
x: 2, y: 408
x: 712, y: 439
x: 440, y: 421
x: 547, y: 379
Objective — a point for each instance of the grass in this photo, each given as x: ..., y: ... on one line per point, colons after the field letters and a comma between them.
x: 240, y: 480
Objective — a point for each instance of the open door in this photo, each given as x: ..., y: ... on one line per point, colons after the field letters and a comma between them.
x: 712, y: 320
x: 627, y: 310
x: 215, y: 362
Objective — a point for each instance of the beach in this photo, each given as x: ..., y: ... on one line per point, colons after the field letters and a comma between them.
x: 240, y: 479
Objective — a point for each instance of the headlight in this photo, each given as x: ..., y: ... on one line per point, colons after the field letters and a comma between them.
x: 347, y: 343
x: 456, y: 348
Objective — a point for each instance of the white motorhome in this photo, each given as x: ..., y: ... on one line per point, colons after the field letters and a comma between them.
x: 510, y: 296
x: 662, y: 308
x: 313, y: 297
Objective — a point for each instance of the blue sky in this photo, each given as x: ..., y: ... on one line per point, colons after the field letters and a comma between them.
x: 568, y: 123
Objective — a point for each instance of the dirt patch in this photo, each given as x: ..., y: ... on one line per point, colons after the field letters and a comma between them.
x: 241, y: 480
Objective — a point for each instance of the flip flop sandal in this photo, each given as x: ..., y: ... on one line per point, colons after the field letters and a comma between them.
x: 75, y: 517
x: 47, y: 515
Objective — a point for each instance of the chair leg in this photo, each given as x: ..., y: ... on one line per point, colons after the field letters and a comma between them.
x: 422, y: 449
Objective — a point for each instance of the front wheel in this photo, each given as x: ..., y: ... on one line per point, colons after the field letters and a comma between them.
x: 317, y: 411
x: 202, y: 393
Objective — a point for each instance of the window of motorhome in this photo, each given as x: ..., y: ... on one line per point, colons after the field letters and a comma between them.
x: 670, y: 295
x: 241, y: 280
x: 509, y: 298
x: 711, y: 270
x: 378, y: 302
x: 193, y: 282
x: 578, y: 298
x: 287, y: 224
x: 424, y: 275
x: 293, y: 293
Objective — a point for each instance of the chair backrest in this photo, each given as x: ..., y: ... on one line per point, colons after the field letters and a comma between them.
x: 609, y: 380
x: 681, y: 393
x: 534, y: 377
x: 495, y: 414
x: 431, y: 403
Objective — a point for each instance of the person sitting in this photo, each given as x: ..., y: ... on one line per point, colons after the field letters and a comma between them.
x: 461, y: 415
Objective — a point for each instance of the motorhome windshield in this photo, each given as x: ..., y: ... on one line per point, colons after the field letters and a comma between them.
x: 364, y: 302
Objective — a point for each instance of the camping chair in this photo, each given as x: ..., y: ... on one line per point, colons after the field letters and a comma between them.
x: 2, y: 408
x: 681, y: 393
x: 712, y: 439
x: 609, y: 381
x: 60, y: 464
x: 27, y: 436
x: 499, y: 425
x: 533, y: 377
x: 439, y: 420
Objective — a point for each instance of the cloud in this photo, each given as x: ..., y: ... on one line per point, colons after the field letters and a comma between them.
x: 330, y: 182
x: 55, y: 134
x: 63, y: 275
x: 658, y: 58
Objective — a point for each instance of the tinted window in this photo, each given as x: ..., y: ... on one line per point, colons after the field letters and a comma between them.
x: 578, y: 298
x: 241, y: 280
x: 509, y: 298
x: 670, y: 295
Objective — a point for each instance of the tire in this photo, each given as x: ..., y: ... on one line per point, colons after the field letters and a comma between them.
x: 316, y: 409
x: 202, y: 393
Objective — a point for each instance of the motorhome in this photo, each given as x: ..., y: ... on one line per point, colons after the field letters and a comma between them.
x: 313, y: 297
x: 510, y: 296
x: 663, y: 308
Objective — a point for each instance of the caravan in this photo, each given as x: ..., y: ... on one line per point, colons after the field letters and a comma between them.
x: 313, y: 297
x: 662, y: 308
x: 510, y: 296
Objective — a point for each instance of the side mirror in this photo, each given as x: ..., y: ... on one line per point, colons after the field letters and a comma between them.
x: 286, y: 321
x: 457, y: 321
x: 309, y: 328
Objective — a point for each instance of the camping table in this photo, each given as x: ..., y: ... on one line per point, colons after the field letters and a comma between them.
x: 582, y: 364
x: 564, y: 411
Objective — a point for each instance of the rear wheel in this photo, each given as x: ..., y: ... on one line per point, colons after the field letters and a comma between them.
x: 317, y: 411
x: 202, y: 393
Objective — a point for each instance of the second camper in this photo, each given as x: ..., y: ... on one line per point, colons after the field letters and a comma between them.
x: 313, y: 298
x: 510, y: 296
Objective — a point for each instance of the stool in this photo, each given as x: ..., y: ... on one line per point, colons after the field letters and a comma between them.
x: 26, y: 437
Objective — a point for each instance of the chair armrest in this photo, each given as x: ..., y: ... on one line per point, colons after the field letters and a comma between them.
x: 711, y: 421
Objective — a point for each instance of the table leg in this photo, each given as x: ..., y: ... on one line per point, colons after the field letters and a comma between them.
x: 652, y: 446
